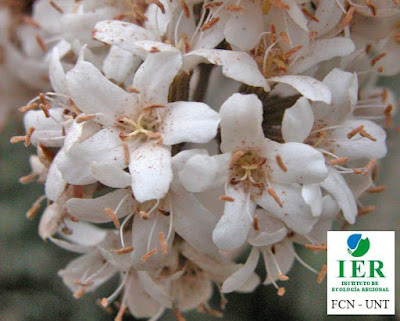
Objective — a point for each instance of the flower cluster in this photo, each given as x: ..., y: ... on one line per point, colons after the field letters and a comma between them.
x: 198, y: 130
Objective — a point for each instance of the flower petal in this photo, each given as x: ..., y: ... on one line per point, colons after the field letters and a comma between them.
x: 302, y: 163
x: 104, y: 147
x: 233, y: 227
x: 95, y: 94
x: 150, y: 167
x: 298, y: 121
x: 294, y: 211
x: 92, y: 210
x: 241, y: 119
x: 110, y: 175
x: 237, y: 65
x: 189, y: 122
x: 155, y: 75
x: 313, y: 197
x: 307, y: 86
x: 337, y: 187
x: 202, y: 172
x: 241, y: 276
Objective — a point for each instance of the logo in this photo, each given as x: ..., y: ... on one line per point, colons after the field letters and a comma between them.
x: 357, y: 246
x: 360, y: 273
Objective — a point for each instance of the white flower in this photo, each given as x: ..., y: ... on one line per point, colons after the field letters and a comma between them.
x: 334, y: 131
x: 143, y: 122
x: 255, y: 170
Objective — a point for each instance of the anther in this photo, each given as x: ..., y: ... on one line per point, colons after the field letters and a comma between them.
x: 235, y: 157
x: 113, y: 217
x: 148, y: 255
x: 281, y: 291
x: 369, y: 166
x: 339, y: 161
x: 120, y: 313
x: 372, y: 7
x: 30, y: 214
x: 255, y: 223
x: 82, y: 117
x: 367, y: 135
x: 160, y: 5
x: 28, y: 107
x: 233, y: 8
x: 280, y: 4
x: 104, y: 302
x: 280, y: 163
x: 282, y: 277
x: 78, y: 294
x: 144, y: 215
x: 79, y: 282
x: 377, y: 58
x: 226, y: 198
x: 17, y: 139
x: 150, y: 107
x: 210, y: 24
x: 348, y: 17
x: 178, y: 315
x: 126, y: 153
x: 366, y: 210
x: 163, y: 243
x: 185, y: 8
x: 45, y: 109
x: 355, y: 131
x: 316, y: 247
x: 133, y: 90
x: 388, y: 114
x: 377, y: 189
x: 29, y: 21
x: 272, y: 192
x: 124, y: 250
x: 321, y: 274
x: 56, y: 6
x: 309, y: 15
x: 41, y: 43
x: 28, y: 178
x: 212, y: 4
x: 285, y: 37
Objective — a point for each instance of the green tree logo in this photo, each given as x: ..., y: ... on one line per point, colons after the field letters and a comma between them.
x: 357, y: 246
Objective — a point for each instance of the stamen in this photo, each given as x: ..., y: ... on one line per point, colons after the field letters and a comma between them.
x: 285, y: 37
x: 372, y: 7
x: 369, y: 166
x: 377, y: 189
x: 316, y: 247
x: 79, y: 282
x: 235, y: 157
x: 348, y: 17
x: 105, y: 302
x: 377, y: 58
x: 82, y: 117
x: 226, y: 198
x: 17, y: 139
x: 365, y: 134
x: 113, y: 217
x: 126, y: 153
x: 45, y: 109
x: 366, y: 210
x: 388, y: 115
x: 339, y: 161
x: 355, y: 131
x: 210, y: 24
x: 321, y: 274
x: 30, y: 214
x: 280, y: 4
x: 255, y: 222
x: 272, y: 192
x: 212, y: 4
x: 280, y: 163
x: 28, y: 107
x: 133, y: 90
x: 56, y: 6
x: 281, y: 291
x: 144, y: 215
x: 78, y: 294
x: 163, y: 244
x: 150, y: 107
x: 149, y: 254
x: 120, y: 313
x: 233, y: 8
x: 283, y: 277
x: 124, y: 250
x: 178, y: 314
x: 309, y: 15
x: 159, y: 4
x: 41, y: 43
x: 28, y: 178
x: 185, y: 8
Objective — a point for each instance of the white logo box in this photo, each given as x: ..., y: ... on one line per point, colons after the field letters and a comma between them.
x: 361, y: 285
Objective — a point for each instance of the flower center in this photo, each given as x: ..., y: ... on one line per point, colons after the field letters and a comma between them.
x: 146, y: 125
x: 247, y: 167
